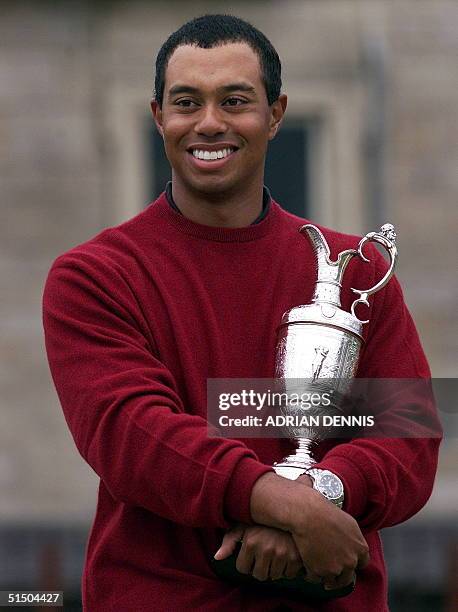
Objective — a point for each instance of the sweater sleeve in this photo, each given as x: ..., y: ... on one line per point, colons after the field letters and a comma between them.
x: 123, y: 409
x: 387, y: 480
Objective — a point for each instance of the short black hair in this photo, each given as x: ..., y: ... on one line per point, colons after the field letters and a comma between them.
x: 211, y: 31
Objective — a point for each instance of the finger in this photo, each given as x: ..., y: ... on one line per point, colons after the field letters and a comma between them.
x: 229, y: 542
x: 277, y: 568
x: 363, y: 560
x: 261, y: 568
x: 245, y: 559
x: 292, y: 569
x: 337, y: 582
x: 311, y: 577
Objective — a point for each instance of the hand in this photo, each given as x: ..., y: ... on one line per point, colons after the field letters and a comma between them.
x: 344, y: 578
x: 328, y: 539
x: 265, y: 553
x: 330, y: 542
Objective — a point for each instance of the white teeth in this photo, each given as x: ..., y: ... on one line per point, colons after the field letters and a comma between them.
x: 211, y: 155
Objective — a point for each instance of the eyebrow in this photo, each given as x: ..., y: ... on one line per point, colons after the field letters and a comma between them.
x: 179, y: 89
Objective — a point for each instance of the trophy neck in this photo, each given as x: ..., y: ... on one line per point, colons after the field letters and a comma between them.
x: 329, y: 273
x: 327, y: 292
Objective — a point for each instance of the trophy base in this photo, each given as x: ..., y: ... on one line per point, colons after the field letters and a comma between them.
x: 294, y: 465
x: 292, y: 472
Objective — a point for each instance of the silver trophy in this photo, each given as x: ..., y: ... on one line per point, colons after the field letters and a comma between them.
x: 319, y: 344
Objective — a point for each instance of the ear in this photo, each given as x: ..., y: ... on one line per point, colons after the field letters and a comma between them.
x: 277, y: 110
x: 157, y: 116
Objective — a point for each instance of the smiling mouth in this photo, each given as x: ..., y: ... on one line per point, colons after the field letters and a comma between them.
x: 211, y: 156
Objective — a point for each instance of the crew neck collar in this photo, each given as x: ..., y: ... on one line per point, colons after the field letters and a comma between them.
x: 217, y: 234
x: 266, y: 198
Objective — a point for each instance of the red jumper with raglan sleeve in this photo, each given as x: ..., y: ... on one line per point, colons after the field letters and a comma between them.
x: 136, y: 320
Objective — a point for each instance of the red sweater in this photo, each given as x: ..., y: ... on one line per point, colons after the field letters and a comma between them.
x: 136, y: 320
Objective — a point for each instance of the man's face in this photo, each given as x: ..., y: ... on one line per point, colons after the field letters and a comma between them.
x: 215, y: 118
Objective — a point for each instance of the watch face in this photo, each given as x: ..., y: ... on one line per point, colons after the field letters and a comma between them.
x: 330, y: 486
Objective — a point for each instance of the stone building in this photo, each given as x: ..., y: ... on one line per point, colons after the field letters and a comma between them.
x: 373, y: 97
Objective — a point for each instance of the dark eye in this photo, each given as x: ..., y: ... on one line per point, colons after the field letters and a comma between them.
x: 185, y: 103
x: 234, y: 101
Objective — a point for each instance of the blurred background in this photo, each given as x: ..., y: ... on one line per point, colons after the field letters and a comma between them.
x: 371, y: 136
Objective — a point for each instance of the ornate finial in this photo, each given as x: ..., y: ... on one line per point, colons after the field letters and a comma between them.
x: 387, y: 230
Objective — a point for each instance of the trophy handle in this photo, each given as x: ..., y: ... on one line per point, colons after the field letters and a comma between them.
x: 386, y: 236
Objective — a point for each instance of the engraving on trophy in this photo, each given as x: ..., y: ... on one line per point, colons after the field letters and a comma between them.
x: 320, y: 355
x: 328, y: 311
x: 349, y: 356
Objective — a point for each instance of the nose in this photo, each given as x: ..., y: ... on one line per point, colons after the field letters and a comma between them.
x: 211, y: 121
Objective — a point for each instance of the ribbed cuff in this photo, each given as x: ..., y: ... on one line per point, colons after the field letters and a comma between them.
x: 239, y: 487
x: 355, y: 486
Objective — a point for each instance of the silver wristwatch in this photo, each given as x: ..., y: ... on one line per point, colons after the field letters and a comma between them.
x: 328, y: 484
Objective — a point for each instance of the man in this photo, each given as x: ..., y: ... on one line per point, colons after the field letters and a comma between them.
x: 192, y: 288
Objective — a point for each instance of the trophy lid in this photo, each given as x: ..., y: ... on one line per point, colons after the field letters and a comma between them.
x: 325, y: 314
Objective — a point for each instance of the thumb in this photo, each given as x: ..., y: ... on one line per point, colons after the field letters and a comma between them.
x: 305, y: 479
x: 229, y: 542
